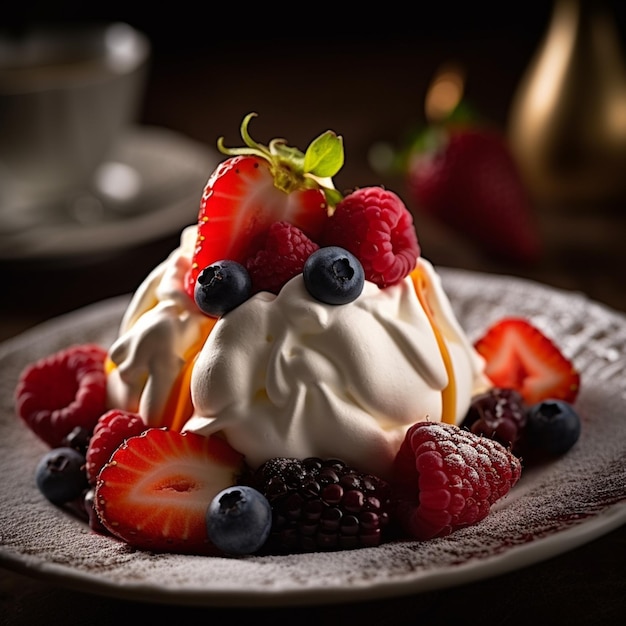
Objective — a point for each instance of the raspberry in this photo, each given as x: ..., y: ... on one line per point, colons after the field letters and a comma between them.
x: 498, y: 413
x: 322, y: 505
x: 446, y: 478
x: 375, y: 225
x: 280, y: 257
x: 112, y: 429
x: 62, y: 391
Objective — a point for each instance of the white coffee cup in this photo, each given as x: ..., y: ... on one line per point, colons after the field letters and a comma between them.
x: 66, y: 94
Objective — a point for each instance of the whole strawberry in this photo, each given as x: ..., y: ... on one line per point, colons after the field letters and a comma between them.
x: 259, y: 185
x: 465, y: 177
x: 446, y: 478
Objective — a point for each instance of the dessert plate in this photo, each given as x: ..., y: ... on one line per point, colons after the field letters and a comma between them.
x: 140, y: 193
x: 552, y: 509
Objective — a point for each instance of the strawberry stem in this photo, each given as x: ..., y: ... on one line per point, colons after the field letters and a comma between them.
x: 291, y: 168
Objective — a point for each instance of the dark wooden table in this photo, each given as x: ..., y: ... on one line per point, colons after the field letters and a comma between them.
x: 367, y: 88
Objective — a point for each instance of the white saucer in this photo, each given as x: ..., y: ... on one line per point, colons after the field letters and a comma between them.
x: 150, y: 187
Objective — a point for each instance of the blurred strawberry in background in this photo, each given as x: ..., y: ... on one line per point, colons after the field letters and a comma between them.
x: 460, y: 171
x: 465, y: 177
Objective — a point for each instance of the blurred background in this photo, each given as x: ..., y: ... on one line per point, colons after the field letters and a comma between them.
x: 363, y: 74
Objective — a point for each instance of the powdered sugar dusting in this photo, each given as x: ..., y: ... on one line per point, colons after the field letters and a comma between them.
x: 551, y: 509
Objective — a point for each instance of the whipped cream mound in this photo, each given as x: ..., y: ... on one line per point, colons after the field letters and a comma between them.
x: 290, y: 376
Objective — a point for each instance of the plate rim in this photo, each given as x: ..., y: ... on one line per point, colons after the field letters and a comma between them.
x: 532, y: 553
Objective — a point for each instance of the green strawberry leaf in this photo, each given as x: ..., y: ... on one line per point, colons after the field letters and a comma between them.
x: 427, y: 137
x: 333, y: 196
x: 324, y: 156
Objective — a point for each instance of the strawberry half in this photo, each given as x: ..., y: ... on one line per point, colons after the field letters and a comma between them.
x: 519, y: 356
x: 259, y: 185
x: 155, y: 490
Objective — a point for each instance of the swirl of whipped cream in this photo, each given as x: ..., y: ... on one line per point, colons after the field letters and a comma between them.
x: 158, y: 332
x: 289, y: 376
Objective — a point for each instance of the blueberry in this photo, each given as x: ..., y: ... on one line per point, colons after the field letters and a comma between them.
x: 333, y: 275
x: 239, y: 520
x: 553, y: 427
x: 221, y: 287
x: 60, y: 475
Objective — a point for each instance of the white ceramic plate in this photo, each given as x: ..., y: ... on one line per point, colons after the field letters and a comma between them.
x: 550, y: 511
x: 149, y: 187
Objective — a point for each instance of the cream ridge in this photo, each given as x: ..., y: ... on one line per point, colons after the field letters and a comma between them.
x: 160, y: 332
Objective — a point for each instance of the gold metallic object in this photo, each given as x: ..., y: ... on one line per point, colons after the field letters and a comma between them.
x: 567, y: 125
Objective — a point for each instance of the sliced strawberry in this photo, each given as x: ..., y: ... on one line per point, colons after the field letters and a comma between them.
x: 258, y: 186
x: 519, y: 356
x: 155, y: 490
x: 61, y: 391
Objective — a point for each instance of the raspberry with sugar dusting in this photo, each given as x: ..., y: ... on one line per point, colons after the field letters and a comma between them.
x: 281, y: 256
x: 374, y: 224
x: 446, y: 478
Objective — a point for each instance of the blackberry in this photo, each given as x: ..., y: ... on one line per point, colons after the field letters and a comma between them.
x: 499, y: 414
x: 322, y: 505
x: 78, y: 438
